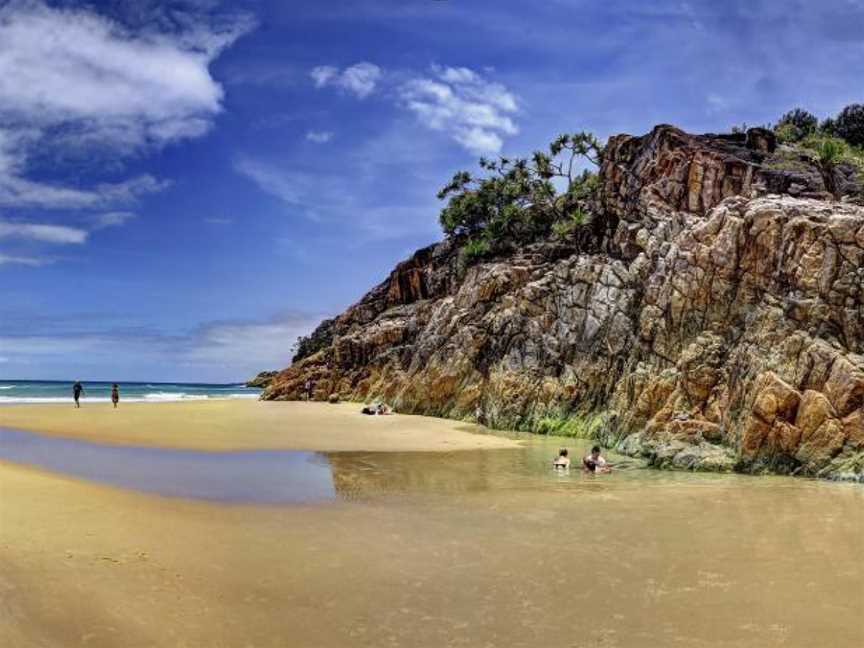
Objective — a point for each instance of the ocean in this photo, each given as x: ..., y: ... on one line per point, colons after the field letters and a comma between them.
x: 56, y: 391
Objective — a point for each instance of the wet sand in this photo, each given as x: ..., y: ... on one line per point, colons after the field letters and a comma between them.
x: 248, y: 424
x: 481, y: 547
x: 663, y: 560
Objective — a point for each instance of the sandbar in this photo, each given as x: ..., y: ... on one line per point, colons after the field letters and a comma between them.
x: 224, y: 425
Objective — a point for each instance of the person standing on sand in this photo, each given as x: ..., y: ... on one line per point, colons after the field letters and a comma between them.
x: 77, y: 390
x: 308, y: 388
x: 115, y: 394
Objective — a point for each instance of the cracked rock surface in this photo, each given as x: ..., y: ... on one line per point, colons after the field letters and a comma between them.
x: 716, y: 322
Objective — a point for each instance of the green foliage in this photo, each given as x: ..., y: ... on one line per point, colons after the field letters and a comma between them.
x: 849, y: 124
x: 575, y: 426
x: 567, y: 226
x: 476, y: 248
x: 795, y: 125
x: 519, y: 198
x: 830, y: 150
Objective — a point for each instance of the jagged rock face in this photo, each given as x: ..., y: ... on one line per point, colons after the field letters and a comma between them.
x: 262, y: 379
x: 722, y: 328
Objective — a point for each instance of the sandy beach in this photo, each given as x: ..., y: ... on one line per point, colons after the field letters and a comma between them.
x: 247, y: 424
x: 418, y: 549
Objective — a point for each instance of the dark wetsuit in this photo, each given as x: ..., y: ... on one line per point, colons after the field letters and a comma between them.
x: 76, y: 391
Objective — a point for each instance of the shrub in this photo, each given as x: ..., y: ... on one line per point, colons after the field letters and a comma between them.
x: 579, y: 426
x: 564, y: 228
x: 476, y: 248
x: 830, y: 150
x: 849, y: 124
x: 795, y: 125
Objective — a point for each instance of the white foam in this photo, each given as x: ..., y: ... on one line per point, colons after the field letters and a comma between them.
x: 159, y: 397
x: 174, y: 396
x: 8, y: 386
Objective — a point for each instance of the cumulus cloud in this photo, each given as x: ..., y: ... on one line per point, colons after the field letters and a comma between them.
x: 62, y: 66
x: 71, y: 79
x: 359, y: 79
x: 475, y: 112
x: 319, y: 137
x: 40, y: 232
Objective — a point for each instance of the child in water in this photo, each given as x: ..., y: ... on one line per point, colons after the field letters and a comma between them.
x: 562, y: 461
x: 595, y: 462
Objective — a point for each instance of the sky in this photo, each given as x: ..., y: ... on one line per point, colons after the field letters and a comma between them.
x: 187, y: 186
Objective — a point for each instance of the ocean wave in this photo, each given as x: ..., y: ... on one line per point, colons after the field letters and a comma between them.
x: 175, y: 396
x: 8, y: 386
x: 159, y: 397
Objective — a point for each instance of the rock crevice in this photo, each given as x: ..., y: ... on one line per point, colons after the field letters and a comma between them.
x: 716, y: 323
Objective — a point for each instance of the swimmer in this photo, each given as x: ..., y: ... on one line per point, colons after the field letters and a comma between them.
x: 562, y: 460
x: 595, y: 462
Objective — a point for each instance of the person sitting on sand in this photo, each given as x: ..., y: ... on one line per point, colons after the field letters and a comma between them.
x: 595, y: 462
x: 77, y: 390
x: 115, y: 394
x: 562, y: 461
x: 382, y: 409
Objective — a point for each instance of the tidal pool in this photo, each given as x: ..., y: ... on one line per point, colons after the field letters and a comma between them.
x: 479, y: 548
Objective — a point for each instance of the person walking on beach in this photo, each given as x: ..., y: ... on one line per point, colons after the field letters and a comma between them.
x: 115, y: 394
x: 77, y: 390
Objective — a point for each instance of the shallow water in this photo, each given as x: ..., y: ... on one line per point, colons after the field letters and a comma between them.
x: 261, y: 476
x: 493, y: 548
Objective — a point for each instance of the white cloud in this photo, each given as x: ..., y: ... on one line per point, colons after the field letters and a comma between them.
x: 61, y: 66
x: 319, y: 137
x: 323, y: 74
x: 291, y: 187
x: 7, y: 259
x: 46, y: 233
x: 360, y: 79
x: 72, y: 80
x: 256, y: 345
x: 229, y: 350
x: 474, y: 112
x: 111, y: 219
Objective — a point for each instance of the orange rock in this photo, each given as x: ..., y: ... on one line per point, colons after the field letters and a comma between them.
x: 845, y: 387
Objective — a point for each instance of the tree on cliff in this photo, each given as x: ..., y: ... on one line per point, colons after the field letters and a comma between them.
x: 848, y: 125
x: 519, y: 198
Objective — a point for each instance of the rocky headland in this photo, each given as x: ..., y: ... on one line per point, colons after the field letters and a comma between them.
x: 710, y: 316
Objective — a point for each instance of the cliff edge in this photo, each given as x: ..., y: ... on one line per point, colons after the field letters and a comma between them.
x: 712, y: 318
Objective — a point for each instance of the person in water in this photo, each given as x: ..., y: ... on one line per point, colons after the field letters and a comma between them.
x: 115, y: 394
x: 77, y: 390
x: 595, y: 462
x: 562, y: 460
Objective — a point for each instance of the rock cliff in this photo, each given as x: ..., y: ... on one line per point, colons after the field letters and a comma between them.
x: 713, y: 319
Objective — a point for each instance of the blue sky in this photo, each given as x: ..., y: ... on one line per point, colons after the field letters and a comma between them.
x: 186, y: 187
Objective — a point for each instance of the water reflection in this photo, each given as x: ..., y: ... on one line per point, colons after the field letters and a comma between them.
x: 266, y: 476
x: 287, y: 476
